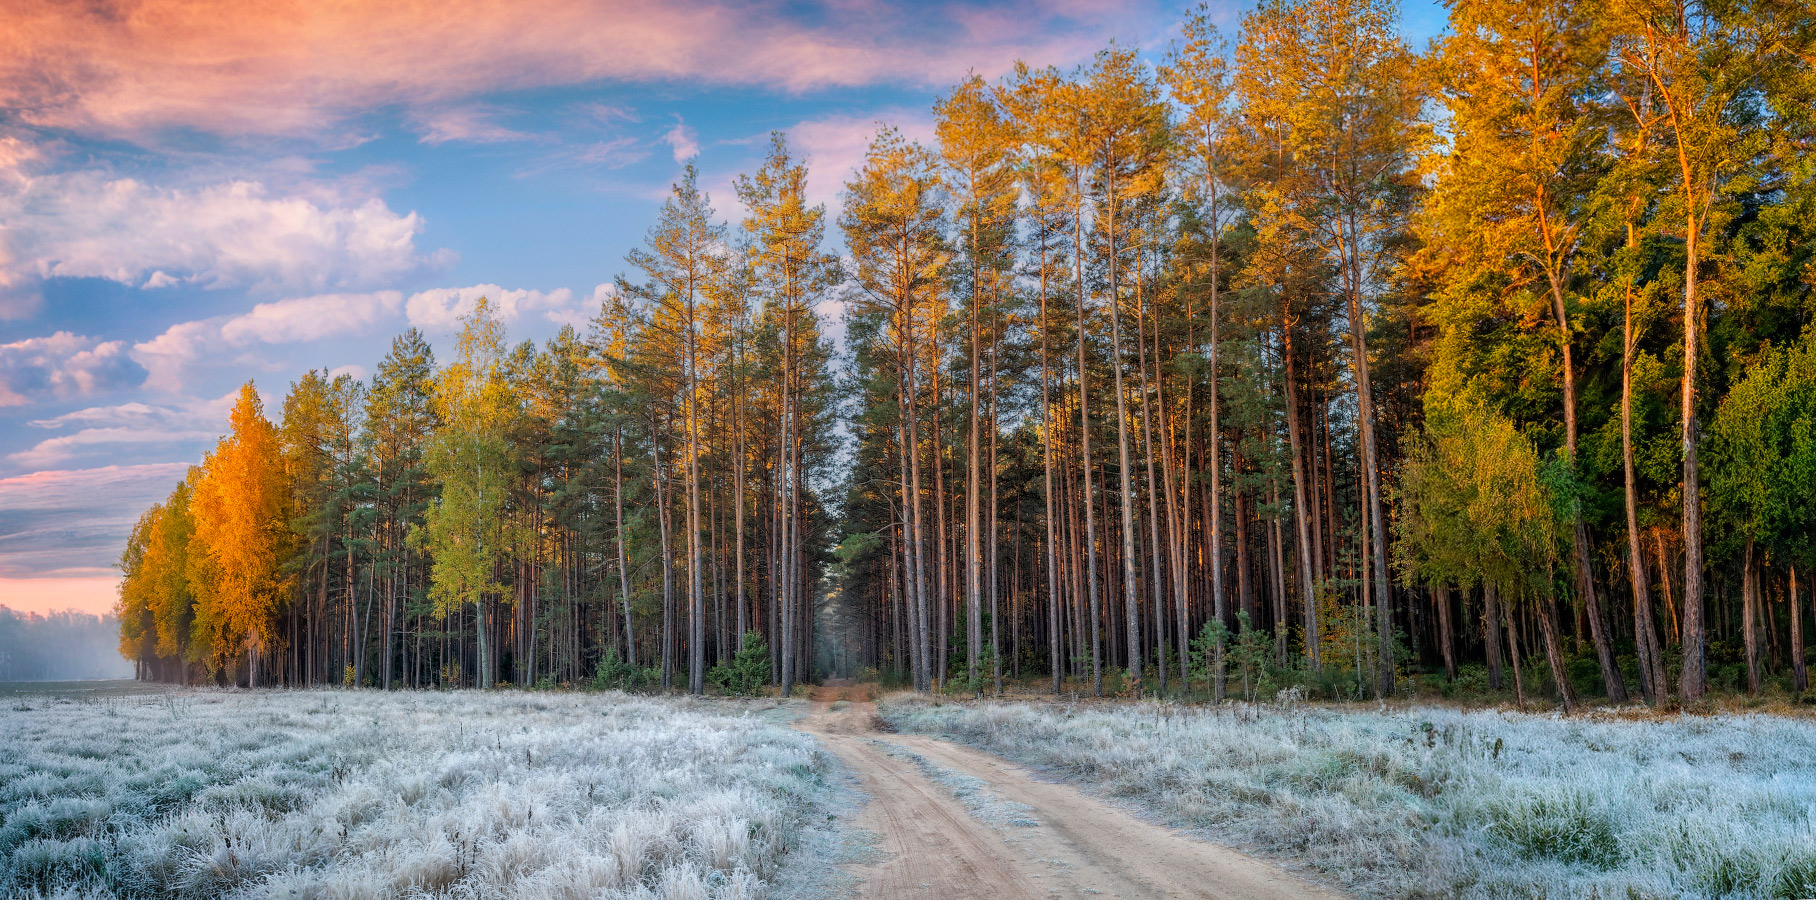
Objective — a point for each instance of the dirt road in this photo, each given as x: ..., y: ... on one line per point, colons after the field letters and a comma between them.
x: 1080, y: 846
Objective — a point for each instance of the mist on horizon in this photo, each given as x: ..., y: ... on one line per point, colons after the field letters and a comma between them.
x: 60, y: 646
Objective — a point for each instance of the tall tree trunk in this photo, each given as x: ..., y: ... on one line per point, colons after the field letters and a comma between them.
x: 917, y: 542
x: 1046, y: 453
x: 1694, y: 679
x: 1749, y: 614
x: 696, y: 607
x: 974, y: 621
x: 1554, y: 652
x: 1491, y: 632
x: 1131, y: 601
x: 624, y: 574
x: 1513, y: 649
x: 1084, y: 436
x: 1440, y: 597
x: 1581, y: 564
x: 1308, y: 595
x: 1214, y: 494
x: 1371, y: 466
x: 1646, y: 643
x: 668, y: 560
x: 1155, y: 497
x: 1800, y: 674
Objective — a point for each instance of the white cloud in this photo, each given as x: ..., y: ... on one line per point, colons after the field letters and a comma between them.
x: 312, y: 318
x: 168, y: 356
x: 188, y: 422
x: 64, y: 365
x: 235, y: 234
x: 682, y: 140
x: 440, y: 309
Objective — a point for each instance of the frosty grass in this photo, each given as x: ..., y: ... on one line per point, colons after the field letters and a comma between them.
x: 360, y: 794
x: 1431, y: 802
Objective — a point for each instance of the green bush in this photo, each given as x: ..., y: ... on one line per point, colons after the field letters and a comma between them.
x: 748, y: 671
x: 613, y: 673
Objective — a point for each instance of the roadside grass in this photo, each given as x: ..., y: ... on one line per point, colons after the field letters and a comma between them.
x: 1442, y: 802
x: 329, y: 793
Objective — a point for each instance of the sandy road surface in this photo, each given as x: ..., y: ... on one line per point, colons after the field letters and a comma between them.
x: 1082, y: 847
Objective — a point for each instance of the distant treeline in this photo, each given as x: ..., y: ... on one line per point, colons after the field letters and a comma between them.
x: 62, y: 646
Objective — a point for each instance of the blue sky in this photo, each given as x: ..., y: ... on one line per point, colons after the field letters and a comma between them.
x: 192, y: 196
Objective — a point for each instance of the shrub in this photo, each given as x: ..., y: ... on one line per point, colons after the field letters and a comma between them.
x: 748, y: 671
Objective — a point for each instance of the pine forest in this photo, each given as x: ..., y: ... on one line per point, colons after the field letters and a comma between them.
x: 1293, y: 357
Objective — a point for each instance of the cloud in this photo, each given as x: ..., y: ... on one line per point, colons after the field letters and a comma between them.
x: 440, y: 309
x: 235, y: 234
x: 834, y: 147
x: 473, y: 123
x: 294, y: 67
x: 681, y: 139
x: 183, y: 424
x: 312, y: 318
x: 167, y: 357
x: 64, y: 365
x: 73, y: 522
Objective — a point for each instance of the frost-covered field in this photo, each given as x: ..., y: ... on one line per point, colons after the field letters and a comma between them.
x: 365, y: 794
x: 1442, y: 803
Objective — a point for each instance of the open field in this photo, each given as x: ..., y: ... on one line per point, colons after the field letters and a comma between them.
x: 1429, y: 802
x: 361, y: 794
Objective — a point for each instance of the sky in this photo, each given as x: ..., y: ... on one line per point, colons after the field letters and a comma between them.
x: 197, y: 194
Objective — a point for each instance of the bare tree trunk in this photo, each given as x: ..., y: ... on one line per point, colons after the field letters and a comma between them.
x: 668, y: 562
x: 696, y: 607
x: 1084, y: 436
x: 1513, y: 648
x: 1749, y: 614
x: 1301, y: 511
x: 1800, y: 674
x: 1371, y: 467
x: 1440, y: 597
x: 1154, y: 495
x: 1695, y: 679
x: 1491, y: 633
x: 1554, y: 653
x: 1214, y: 494
x: 1131, y: 601
x: 1650, y: 654
x: 1046, y: 450
x: 624, y: 574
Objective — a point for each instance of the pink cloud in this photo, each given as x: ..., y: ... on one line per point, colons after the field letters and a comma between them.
x: 472, y: 123
x: 65, y: 525
x: 128, y: 67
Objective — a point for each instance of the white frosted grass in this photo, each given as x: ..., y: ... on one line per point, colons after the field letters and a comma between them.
x: 330, y: 794
x: 1431, y: 802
